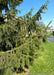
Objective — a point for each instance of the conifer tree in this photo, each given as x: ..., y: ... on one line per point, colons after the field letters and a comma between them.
x: 8, y: 28
x: 13, y: 34
x: 8, y: 5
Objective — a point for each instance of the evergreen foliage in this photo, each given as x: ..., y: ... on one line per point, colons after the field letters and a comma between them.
x: 44, y: 35
x: 20, y: 36
x: 21, y: 56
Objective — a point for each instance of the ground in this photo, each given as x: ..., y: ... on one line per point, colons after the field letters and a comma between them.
x: 44, y: 65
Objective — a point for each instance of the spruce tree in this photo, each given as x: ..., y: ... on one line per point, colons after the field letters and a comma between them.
x: 13, y: 37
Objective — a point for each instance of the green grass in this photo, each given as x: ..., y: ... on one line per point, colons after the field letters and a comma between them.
x: 44, y: 65
x: 18, y: 74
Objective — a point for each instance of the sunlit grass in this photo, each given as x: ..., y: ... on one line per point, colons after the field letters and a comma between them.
x: 18, y: 74
x: 45, y: 63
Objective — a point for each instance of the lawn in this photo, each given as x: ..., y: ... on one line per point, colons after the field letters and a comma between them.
x: 44, y: 65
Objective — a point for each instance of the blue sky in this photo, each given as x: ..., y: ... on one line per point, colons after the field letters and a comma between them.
x: 36, y: 4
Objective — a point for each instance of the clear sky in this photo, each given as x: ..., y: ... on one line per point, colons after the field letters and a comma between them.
x: 36, y: 4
